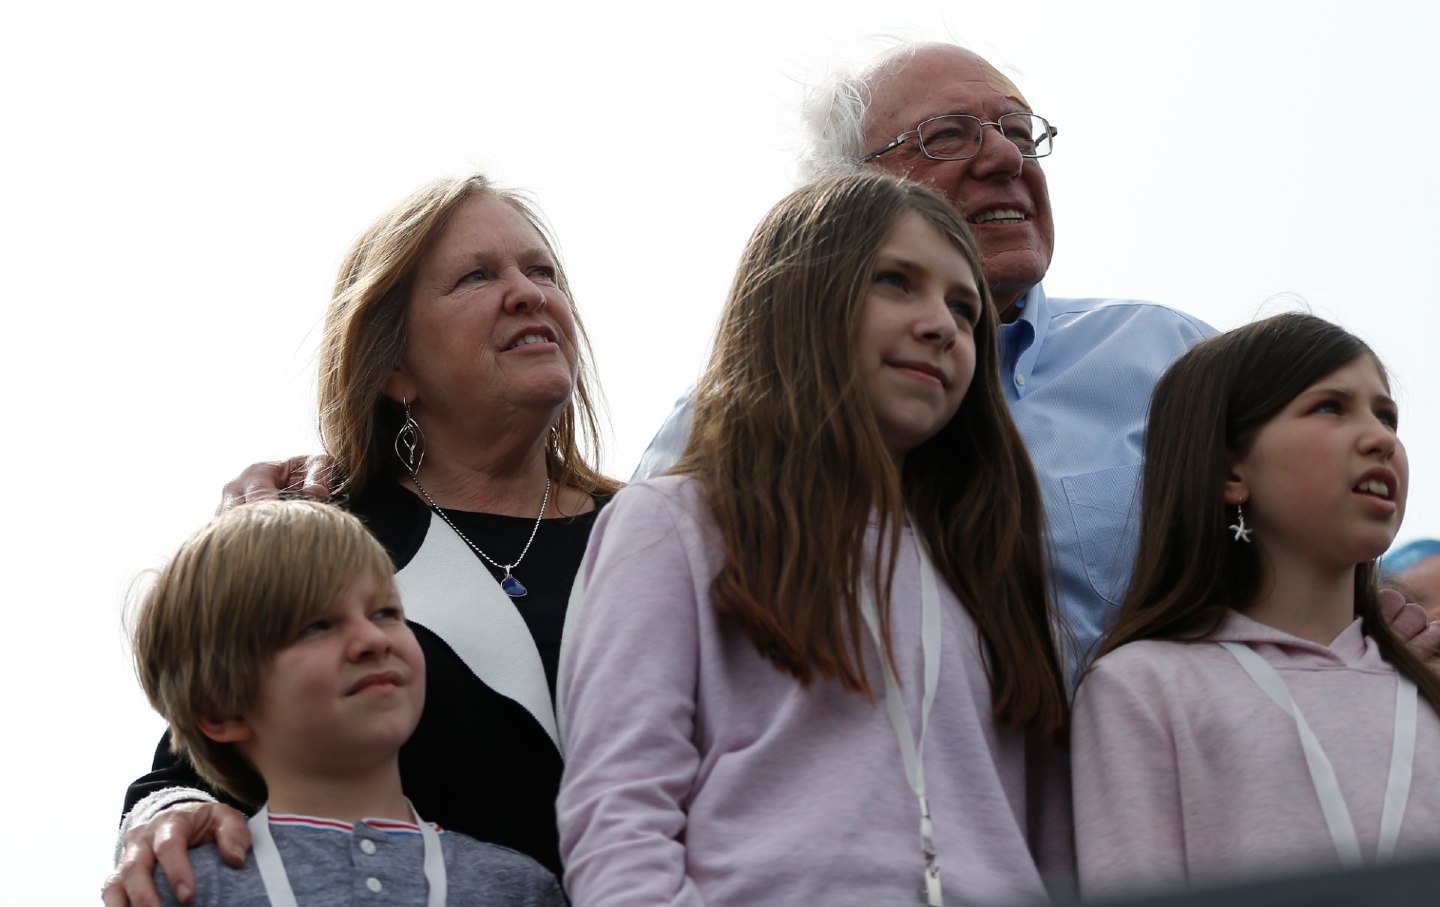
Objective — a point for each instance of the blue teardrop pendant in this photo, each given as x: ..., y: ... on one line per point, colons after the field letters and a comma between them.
x: 513, y: 587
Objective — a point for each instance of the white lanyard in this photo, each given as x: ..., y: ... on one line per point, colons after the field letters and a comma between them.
x: 911, y: 752
x: 277, y: 883
x: 1322, y: 774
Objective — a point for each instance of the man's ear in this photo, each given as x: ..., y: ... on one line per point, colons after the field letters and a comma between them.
x: 225, y: 730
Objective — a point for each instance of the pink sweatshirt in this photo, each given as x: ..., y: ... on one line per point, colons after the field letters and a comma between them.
x: 1186, y: 773
x: 698, y: 773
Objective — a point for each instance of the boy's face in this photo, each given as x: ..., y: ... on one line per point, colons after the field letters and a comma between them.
x: 345, y: 694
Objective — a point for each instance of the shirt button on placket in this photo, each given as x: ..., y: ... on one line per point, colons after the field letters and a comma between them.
x: 373, y: 884
x: 367, y: 845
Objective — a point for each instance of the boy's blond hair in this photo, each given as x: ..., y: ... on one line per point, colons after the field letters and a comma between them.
x: 237, y: 592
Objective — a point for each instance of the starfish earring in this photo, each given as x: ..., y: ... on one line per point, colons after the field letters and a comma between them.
x: 1242, y: 533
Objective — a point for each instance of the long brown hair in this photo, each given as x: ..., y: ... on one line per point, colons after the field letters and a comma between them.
x: 793, y: 463
x: 365, y: 336
x: 1207, y: 408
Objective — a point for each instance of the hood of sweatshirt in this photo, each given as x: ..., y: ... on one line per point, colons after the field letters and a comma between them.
x: 1351, y: 649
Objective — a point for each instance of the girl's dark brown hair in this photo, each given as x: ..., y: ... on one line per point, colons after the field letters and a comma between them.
x: 1208, y: 408
x: 794, y: 467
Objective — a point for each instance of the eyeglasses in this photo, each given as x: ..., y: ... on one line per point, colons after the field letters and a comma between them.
x: 956, y: 137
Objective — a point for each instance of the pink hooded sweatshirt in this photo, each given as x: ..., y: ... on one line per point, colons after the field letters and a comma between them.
x: 1186, y: 773
x: 698, y: 774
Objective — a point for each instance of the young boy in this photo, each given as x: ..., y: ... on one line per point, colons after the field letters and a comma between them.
x: 275, y: 646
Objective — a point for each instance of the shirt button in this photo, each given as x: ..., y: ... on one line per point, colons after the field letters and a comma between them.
x: 367, y: 845
x: 373, y: 884
x: 1019, y: 379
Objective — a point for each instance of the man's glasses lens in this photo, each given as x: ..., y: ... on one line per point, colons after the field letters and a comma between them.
x: 958, y: 137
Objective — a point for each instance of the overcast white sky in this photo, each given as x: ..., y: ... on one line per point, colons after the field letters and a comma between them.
x: 181, y: 181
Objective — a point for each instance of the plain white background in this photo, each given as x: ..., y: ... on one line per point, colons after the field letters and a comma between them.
x: 181, y: 180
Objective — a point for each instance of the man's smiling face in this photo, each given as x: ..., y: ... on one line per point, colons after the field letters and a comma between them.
x: 1001, y: 195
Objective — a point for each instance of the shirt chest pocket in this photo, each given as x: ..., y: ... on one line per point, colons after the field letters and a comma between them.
x: 1104, y: 507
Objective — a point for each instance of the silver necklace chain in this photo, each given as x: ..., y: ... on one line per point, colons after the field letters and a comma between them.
x: 544, y: 502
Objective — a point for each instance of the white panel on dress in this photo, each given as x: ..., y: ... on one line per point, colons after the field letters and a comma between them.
x: 448, y: 591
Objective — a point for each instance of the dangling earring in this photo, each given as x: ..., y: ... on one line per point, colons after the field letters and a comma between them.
x: 1242, y: 534
x: 410, y: 442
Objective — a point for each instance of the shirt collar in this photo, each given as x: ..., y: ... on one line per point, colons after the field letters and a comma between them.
x: 1020, y: 340
x: 1033, y: 313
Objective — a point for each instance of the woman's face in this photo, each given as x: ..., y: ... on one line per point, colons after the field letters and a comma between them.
x: 489, y: 334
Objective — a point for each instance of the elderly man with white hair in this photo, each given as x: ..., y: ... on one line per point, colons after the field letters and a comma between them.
x: 1078, y: 372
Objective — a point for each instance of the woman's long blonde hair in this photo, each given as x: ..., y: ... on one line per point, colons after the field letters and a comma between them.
x: 364, y: 338
x: 794, y: 467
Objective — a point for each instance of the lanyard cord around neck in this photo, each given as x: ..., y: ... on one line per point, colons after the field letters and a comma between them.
x: 912, y: 752
x: 1322, y: 773
x: 277, y: 883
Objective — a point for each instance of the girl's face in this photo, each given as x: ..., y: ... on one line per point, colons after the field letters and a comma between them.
x: 915, y: 348
x: 1324, y: 482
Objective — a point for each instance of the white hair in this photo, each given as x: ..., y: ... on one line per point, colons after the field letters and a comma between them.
x: 834, y: 112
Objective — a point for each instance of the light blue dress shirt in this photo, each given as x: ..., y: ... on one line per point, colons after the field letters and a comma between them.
x: 1078, y: 374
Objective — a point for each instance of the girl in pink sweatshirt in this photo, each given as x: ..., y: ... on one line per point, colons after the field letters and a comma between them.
x: 1251, y: 712
x: 814, y: 664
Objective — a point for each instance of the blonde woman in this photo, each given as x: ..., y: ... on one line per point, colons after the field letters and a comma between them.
x: 454, y: 403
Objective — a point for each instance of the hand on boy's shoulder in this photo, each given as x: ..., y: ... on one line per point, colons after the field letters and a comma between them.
x: 164, y: 838
x: 483, y: 874
x: 210, y: 890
